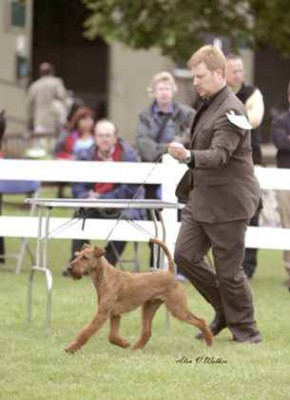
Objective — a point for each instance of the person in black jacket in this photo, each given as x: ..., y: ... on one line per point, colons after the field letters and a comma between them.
x: 163, y: 121
x: 2, y: 131
x: 2, y: 125
x: 252, y: 98
x: 280, y: 131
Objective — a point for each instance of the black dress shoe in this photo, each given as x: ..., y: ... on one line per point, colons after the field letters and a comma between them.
x: 254, y: 338
x: 216, y: 326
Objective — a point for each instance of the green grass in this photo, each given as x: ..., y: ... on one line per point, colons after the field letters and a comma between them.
x: 34, y: 366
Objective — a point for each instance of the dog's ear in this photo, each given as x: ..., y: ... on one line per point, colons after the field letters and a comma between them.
x: 98, y: 252
x: 85, y: 246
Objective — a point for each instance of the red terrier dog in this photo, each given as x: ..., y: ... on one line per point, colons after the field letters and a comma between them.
x: 120, y: 292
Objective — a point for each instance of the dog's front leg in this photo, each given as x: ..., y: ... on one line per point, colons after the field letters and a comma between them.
x: 89, y: 330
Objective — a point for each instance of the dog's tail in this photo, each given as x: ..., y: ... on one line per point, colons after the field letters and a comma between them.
x: 160, y: 243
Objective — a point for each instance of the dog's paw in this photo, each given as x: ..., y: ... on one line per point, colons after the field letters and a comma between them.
x: 70, y: 349
x: 137, y: 346
x: 125, y: 344
x: 117, y: 341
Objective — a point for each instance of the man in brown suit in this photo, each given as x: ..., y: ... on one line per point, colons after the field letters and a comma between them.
x: 224, y: 198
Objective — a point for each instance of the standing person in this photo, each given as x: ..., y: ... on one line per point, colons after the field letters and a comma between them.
x: 46, y: 102
x: 225, y: 196
x: 252, y: 98
x: 2, y: 128
x: 2, y: 131
x: 280, y: 131
x: 160, y: 123
x: 108, y: 146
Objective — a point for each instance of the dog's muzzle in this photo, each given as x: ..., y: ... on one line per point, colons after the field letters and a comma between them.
x: 72, y: 273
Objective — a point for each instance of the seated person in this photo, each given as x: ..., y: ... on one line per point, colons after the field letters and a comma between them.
x: 108, y: 146
x: 79, y: 135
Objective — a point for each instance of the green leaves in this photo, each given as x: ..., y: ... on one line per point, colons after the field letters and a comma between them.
x: 178, y: 27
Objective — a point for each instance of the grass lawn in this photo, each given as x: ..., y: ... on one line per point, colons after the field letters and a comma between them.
x: 34, y: 366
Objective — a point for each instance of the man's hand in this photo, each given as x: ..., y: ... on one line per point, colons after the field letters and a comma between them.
x: 178, y: 151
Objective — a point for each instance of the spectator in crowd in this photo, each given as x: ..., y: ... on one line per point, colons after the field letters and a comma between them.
x: 2, y: 128
x: 224, y: 196
x: 108, y: 146
x: 252, y: 98
x: 280, y: 130
x: 150, y: 141
x: 163, y: 121
x: 2, y: 131
x: 78, y: 136
x: 46, y: 102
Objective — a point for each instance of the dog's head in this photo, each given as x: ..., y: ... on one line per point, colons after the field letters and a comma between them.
x: 86, y: 260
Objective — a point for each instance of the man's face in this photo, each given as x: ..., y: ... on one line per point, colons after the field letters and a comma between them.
x: 207, y: 82
x: 163, y: 93
x: 105, y: 136
x: 235, y: 74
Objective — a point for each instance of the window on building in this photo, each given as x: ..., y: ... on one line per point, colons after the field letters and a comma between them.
x: 15, y: 15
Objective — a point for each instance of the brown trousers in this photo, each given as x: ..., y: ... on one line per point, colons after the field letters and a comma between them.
x: 225, y: 287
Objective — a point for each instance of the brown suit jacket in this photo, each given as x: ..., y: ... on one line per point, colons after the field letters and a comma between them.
x: 225, y: 187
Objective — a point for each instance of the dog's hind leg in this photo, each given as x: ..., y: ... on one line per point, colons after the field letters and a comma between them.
x: 89, y: 330
x: 114, y: 336
x: 148, y: 311
x: 176, y: 303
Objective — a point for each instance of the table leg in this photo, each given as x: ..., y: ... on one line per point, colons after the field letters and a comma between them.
x: 156, y: 249
x: 41, y: 266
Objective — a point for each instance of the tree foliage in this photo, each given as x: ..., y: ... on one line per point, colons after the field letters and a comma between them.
x: 272, y: 24
x: 177, y: 27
